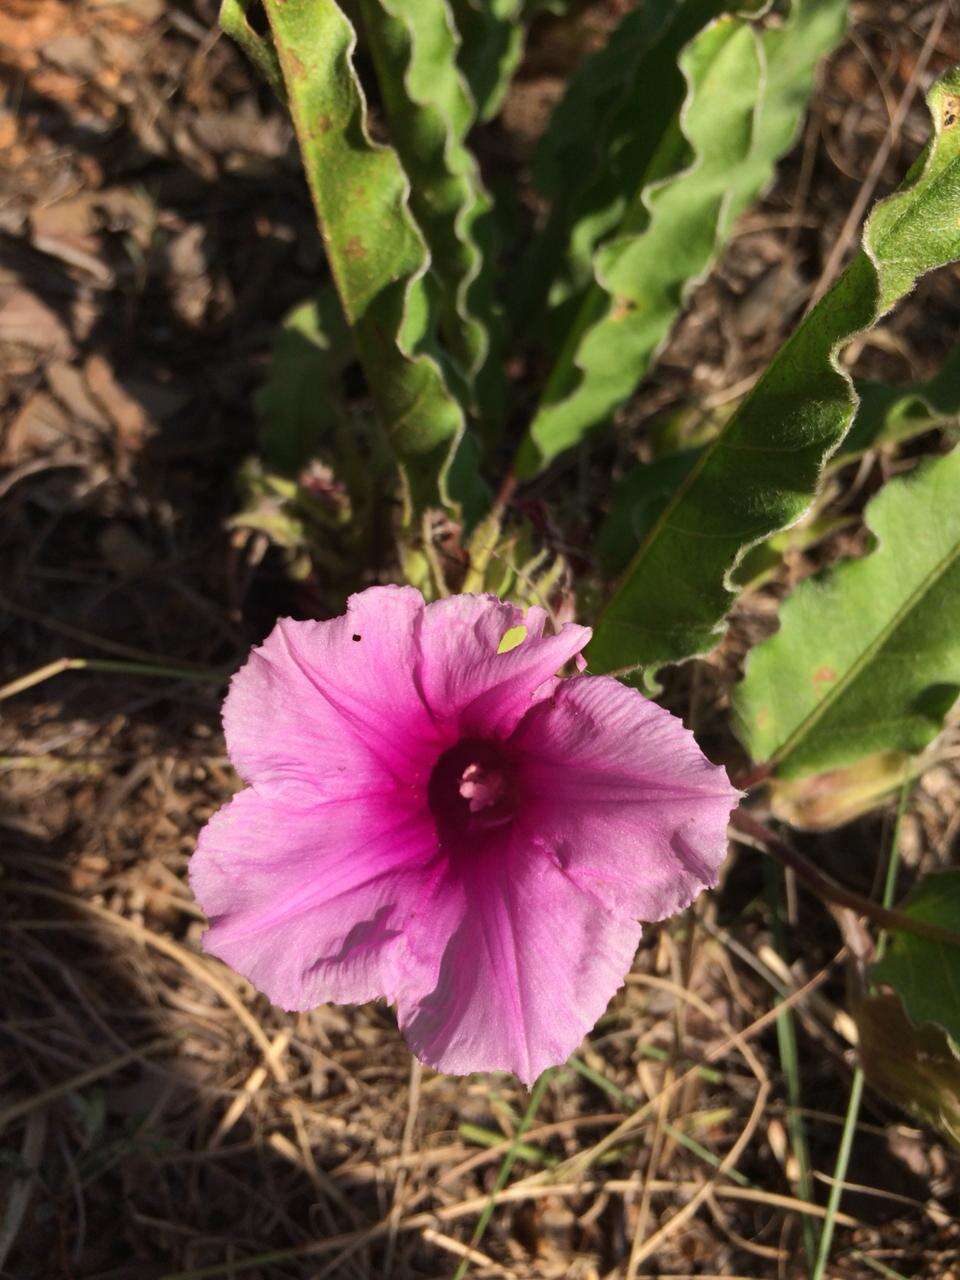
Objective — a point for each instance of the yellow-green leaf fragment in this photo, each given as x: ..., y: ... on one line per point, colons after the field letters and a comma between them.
x: 826, y: 800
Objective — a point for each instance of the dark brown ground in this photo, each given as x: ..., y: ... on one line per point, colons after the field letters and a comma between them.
x: 156, y: 1115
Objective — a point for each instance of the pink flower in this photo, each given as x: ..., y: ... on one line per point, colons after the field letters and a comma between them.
x: 451, y: 826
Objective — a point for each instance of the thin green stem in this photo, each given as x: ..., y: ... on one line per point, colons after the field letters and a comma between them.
x: 790, y: 1064
x: 856, y: 1088
x: 839, y: 1174
x: 536, y: 1097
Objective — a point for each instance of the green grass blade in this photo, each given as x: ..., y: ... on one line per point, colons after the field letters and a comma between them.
x: 839, y: 1175
x: 874, y: 1264
x: 492, y: 1138
x: 503, y: 1175
x: 376, y: 252
x: 867, y: 658
x: 746, y: 92
x: 790, y: 1063
x: 761, y: 472
x: 856, y: 1089
x: 111, y: 665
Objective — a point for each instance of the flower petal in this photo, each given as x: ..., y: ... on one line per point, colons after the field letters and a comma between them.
x: 530, y: 963
x: 308, y: 904
x: 331, y: 710
x: 466, y: 679
x: 617, y: 790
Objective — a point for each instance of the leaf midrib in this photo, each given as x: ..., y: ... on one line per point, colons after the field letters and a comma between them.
x: 879, y: 263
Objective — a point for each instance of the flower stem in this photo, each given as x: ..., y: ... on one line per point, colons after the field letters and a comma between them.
x: 754, y: 833
x: 856, y: 1088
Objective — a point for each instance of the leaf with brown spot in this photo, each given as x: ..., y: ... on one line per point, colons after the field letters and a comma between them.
x: 382, y: 289
x: 867, y: 658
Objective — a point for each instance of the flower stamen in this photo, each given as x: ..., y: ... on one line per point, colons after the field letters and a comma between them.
x: 470, y: 789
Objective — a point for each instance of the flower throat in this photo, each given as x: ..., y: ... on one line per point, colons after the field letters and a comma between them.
x: 470, y: 790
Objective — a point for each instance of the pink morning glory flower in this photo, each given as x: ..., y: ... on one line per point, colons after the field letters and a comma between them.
x: 435, y: 817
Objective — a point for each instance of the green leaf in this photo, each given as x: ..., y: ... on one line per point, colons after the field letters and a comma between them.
x: 301, y: 401
x: 886, y: 416
x: 492, y: 35
x: 890, y: 415
x: 909, y: 1035
x: 637, y: 502
x: 376, y: 252
x: 926, y: 973
x: 760, y: 473
x: 430, y: 112
x: 746, y: 91
x: 867, y: 658
x: 260, y: 50
x: 597, y: 146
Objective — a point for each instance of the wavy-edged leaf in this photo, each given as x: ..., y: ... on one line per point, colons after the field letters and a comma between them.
x: 886, y: 417
x: 598, y: 145
x: 300, y: 403
x: 638, y: 499
x: 760, y: 473
x: 867, y: 658
x: 492, y: 35
x: 430, y: 111
x: 890, y: 415
x: 233, y: 20
x: 746, y: 92
x: 644, y: 492
x: 376, y: 252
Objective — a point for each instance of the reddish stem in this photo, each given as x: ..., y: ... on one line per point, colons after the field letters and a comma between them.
x: 759, y: 836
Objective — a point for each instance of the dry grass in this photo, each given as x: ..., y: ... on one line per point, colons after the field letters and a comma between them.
x: 157, y: 1117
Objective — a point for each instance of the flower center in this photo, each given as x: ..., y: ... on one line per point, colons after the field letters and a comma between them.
x: 470, y: 791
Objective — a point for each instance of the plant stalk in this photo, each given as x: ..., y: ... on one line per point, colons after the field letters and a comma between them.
x: 752, y: 832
